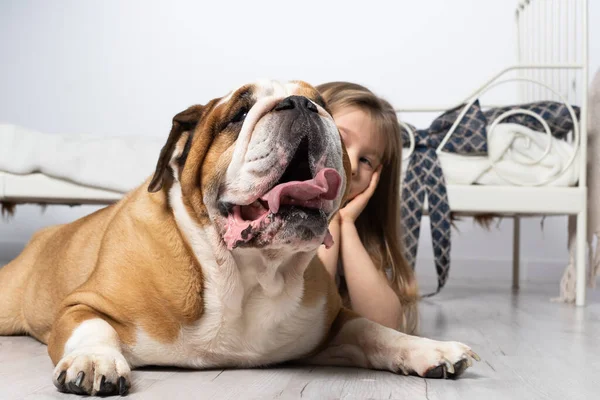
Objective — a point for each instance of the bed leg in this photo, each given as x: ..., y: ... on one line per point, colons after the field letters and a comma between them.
x: 580, y: 258
x: 516, y: 251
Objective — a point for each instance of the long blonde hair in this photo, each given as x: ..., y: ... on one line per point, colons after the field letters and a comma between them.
x: 379, y: 225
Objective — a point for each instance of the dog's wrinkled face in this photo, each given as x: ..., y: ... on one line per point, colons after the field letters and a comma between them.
x: 265, y: 165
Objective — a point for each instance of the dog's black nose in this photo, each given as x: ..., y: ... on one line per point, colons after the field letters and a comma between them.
x: 296, y: 102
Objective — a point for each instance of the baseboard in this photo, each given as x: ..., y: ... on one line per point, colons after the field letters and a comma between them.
x: 543, y: 271
x: 533, y: 273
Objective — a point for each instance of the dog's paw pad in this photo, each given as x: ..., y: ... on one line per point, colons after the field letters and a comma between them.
x: 460, y: 367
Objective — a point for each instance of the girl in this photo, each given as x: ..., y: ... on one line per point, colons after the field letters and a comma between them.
x: 367, y: 259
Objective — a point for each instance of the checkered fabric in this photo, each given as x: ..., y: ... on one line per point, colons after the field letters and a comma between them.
x: 424, y: 175
x: 555, y: 114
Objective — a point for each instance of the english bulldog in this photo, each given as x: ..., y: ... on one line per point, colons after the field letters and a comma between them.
x: 211, y: 262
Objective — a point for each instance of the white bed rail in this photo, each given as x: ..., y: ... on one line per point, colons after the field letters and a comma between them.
x: 552, y: 64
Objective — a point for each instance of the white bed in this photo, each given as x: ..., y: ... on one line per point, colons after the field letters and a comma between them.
x: 512, y: 184
x: 552, y: 65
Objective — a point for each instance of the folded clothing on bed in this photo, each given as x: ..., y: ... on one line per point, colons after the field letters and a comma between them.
x: 112, y: 163
x: 512, y: 146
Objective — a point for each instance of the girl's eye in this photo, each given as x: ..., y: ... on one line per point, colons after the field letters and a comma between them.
x: 366, y: 161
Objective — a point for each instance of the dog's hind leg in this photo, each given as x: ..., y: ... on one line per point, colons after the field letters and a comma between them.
x: 358, y: 342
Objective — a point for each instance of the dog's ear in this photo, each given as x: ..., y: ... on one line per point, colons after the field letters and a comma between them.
x: 183, y: 122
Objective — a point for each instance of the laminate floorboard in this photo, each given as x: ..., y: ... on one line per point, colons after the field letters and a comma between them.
x: 531, y: 348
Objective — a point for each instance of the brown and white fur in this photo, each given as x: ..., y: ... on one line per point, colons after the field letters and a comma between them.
x: 151, y: 280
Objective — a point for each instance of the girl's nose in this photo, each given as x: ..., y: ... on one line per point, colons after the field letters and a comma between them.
x: 354, y: 167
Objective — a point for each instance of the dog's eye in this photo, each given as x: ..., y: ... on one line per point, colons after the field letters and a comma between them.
x: 239, y: 116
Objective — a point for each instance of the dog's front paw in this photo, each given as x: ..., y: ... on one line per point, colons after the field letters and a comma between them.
x: 94, y: 371
x: 433, y: 359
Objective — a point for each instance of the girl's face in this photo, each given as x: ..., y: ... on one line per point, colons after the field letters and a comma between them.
x: 363, y: 143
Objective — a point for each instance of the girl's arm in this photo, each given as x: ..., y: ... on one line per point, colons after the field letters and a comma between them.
x: 368, y: 287
x: 329, y: 257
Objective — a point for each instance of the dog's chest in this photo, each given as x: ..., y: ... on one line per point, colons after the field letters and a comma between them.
x: 240, y: 327
x: 253, y: 313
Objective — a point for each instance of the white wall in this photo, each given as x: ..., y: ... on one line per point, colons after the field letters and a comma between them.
x: 126, y: 67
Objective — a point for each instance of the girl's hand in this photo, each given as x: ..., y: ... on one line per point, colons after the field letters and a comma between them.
x: 354, y: 207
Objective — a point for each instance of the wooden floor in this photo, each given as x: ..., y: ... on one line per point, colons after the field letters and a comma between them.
x: 530, y: 347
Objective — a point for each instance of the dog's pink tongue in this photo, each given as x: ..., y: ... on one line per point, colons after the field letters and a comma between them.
x: 310, y: 193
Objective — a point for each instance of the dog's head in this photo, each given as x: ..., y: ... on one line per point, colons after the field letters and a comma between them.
x: 265, y: 165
